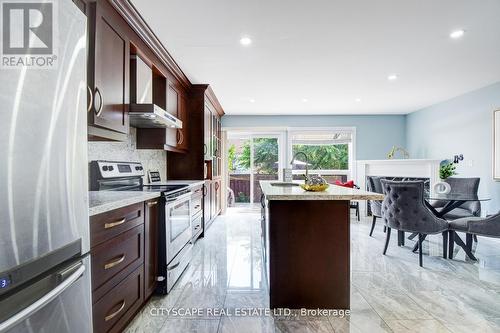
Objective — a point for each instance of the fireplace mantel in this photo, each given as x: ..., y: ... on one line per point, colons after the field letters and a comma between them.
x: 414, y: 168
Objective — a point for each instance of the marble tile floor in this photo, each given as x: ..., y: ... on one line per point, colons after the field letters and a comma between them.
x: 389, y: 293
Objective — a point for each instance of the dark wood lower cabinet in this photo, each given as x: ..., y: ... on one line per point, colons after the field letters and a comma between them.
x: 207, y: 204
x: 115, y: 309
x: 151, y: 247
x: 308, y: 254
x: 124, y: 252
x: 124, y: 263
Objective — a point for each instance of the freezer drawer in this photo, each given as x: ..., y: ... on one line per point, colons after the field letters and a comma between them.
x: 58, y: 302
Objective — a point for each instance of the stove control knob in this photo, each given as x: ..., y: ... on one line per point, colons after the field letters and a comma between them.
x: 105, y: 168
x: 110, y: 168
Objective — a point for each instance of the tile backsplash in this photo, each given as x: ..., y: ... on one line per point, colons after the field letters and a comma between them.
x: 151, y: 159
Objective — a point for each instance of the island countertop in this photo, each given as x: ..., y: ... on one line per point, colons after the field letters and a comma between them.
x: 334, y: 192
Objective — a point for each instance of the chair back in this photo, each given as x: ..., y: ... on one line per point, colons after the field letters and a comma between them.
x: 467, y: 186
x: 374, y: 185
x: 404, y: 208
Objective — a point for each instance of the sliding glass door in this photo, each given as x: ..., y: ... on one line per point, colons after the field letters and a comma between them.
x: 251, y: 158
x: 265, y: 162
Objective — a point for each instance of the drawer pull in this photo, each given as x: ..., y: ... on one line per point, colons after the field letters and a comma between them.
x: 152, y: 203
x: 197, y: 206
x: 114, y: 314
x: 114, y: 224
x: 114, y: 262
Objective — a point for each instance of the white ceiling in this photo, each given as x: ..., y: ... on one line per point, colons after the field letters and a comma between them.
x: 330, y: 52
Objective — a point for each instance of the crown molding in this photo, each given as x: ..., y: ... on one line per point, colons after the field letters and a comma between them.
x: 132, y: 16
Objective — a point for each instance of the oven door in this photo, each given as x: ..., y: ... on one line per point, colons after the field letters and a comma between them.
x: 178, y: 225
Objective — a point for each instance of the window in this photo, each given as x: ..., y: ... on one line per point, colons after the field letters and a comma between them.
x: 329, y: 153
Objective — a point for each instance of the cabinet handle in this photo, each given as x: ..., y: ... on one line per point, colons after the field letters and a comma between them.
x: 114, y: 224
x: 101, y: 102
x: 173, y: 267
x: 91, y: 102
x: 197, y: 206
x: 205, y: 149
x: 111, y: 316
x: 114, y: 262
x: 205, y: 190
x: 216, y: 186
x: 150, y: 204
x: 180, y: 137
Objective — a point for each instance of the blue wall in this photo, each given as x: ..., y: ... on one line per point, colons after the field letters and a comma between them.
x: 460, y: 125
x: 375, y: 135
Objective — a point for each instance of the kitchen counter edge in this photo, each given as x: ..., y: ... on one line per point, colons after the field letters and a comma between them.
x: 105, y: 201
x: 334, y: 192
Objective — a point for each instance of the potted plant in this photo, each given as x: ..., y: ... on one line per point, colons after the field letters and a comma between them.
x: 446, y: 170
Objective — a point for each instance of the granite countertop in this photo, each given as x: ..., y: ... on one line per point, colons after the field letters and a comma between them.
x: 333, y: 192
x: 104, y: 201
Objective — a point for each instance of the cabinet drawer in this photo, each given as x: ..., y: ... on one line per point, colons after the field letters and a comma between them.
x: 196, y: 204
x: 114, y: 310
x: 110, y: 224
x: 197, y: 224
x: 197, y: 190
x: 124, y: 252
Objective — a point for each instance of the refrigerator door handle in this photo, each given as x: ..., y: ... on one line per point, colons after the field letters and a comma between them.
x: 41, y: 302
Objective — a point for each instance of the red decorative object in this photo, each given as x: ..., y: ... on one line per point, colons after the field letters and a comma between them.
x: 349, y: 183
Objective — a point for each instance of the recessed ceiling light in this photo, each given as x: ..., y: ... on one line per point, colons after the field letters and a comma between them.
x: 457, y: 34
x: 392, y: 77
x: 245, y: 41
x: 252, y: 100
x: 305, y: 100
x: 358, y: 100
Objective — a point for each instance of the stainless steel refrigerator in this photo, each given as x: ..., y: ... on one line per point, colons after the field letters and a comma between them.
x: 44, y: 224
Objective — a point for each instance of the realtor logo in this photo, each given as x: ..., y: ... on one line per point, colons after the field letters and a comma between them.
x: 28, y: 34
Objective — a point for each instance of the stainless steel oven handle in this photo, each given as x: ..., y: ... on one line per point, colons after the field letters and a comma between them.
x: 179, y: 198
x: 41, y: 302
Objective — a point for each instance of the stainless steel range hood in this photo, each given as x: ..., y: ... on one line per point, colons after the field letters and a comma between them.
x: 151, y: 116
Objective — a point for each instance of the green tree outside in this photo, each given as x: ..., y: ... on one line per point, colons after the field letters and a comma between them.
x: 266, y: 155
x: 325, y: 157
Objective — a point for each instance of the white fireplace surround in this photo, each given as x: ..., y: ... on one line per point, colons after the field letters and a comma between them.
x: 417, y: 168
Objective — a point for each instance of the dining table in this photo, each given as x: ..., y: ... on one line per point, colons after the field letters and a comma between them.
x: 452, y: 201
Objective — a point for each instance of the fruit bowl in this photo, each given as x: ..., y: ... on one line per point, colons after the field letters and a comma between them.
x: 314, y: 187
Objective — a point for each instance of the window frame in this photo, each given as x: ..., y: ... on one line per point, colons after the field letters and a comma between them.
x: 350, y: 172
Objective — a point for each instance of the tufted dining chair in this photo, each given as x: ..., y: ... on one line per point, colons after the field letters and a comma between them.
x: 404, y: 209
x: 374, y: 185
x: 473, y: 226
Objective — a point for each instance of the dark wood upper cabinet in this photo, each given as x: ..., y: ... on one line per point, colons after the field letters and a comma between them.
x: 108, y: 73
x: 172, y: 108
x: 183, y: 133
x: 169, y: 95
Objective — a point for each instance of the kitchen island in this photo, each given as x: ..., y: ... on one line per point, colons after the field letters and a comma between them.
x: 306, y: 244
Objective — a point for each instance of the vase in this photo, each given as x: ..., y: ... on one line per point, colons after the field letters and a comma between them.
x: 442, y: 187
